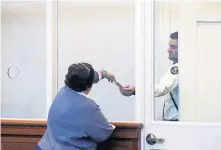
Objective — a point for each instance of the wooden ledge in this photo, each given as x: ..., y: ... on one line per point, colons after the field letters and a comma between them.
x: 20, y: 122
x: 128, y: 124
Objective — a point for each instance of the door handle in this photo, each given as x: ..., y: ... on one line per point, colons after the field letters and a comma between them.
x: 151, y: 139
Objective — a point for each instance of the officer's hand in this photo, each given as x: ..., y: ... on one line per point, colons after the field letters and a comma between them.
x: 109, y: 76
x: 127, y: 90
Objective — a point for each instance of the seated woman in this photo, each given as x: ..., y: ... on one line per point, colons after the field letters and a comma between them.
x: 75, y: 121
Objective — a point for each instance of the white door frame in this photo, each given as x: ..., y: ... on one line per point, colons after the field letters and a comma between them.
x: 0, y: 56
x: 52, y: 51
x: 144, y: 13
x: 49, y: 56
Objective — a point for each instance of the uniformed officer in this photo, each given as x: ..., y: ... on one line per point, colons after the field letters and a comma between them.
x: 169, y: 84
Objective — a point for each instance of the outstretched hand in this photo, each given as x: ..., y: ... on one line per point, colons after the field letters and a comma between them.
x: 127, y: 90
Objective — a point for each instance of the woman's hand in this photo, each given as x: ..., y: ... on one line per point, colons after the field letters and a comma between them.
x: 108, y: 75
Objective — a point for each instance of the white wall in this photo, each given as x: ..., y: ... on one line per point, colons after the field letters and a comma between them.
x: 103, y: 36
x: 23, y: 39
x: 200, y: 76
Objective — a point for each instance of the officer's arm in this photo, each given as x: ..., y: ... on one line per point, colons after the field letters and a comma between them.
x: 167, y: 84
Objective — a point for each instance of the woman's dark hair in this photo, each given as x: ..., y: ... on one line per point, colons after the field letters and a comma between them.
x: 80, y: 77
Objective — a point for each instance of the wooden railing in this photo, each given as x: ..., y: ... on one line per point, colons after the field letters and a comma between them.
x: 25, y: 134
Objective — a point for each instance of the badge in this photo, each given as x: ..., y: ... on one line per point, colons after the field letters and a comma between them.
x: 174, y: 70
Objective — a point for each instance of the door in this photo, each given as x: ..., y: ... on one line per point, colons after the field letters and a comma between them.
x: 199, y: 126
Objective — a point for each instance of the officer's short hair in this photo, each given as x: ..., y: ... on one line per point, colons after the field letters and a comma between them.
x: 174, y: 35
x: 79, y: 77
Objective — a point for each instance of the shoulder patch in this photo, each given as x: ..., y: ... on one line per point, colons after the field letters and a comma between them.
x: 174, y: 70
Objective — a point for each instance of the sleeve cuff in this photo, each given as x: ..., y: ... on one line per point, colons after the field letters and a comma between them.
x: 100, y: 74
x: 113, y: 126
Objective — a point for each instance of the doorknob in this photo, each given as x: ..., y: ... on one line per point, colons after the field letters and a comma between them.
x: 152, y: 139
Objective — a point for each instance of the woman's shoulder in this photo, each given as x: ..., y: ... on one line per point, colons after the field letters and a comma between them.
x: 91, y: 103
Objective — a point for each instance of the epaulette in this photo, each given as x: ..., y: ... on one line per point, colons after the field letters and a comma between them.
x: 174, y: 70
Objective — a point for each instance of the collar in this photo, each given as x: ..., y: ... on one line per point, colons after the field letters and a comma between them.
x: 80, y: 93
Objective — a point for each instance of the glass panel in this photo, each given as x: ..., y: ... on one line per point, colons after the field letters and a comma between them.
x: 102, y: 34
x: 166, y: 22
x: 190, y: 92
x: 23, y: 59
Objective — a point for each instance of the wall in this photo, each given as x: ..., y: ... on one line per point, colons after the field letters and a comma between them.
x: 103, y: 36
x: 200, y: 77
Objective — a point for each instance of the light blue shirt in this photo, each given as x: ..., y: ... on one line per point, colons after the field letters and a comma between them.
x: 74, y: 122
